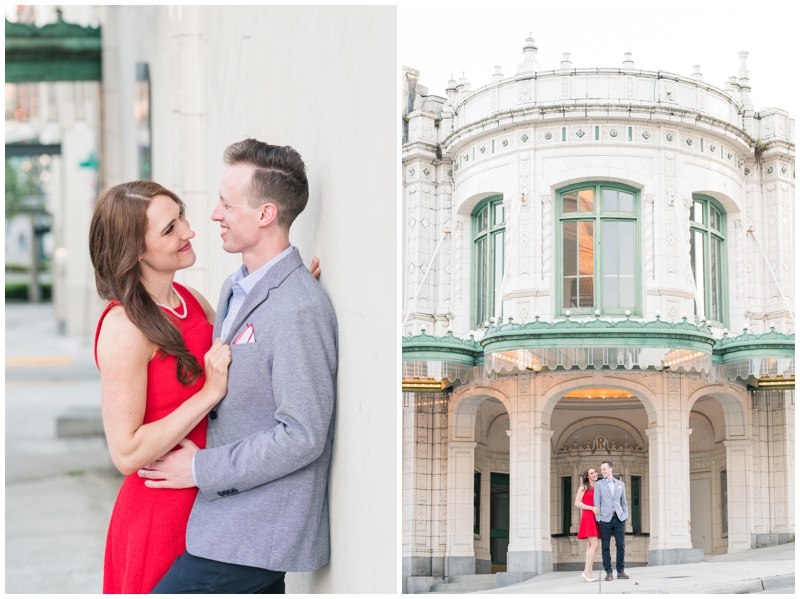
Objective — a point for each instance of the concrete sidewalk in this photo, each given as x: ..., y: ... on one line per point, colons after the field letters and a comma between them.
x: 59, y: 492
x: 747, y: 572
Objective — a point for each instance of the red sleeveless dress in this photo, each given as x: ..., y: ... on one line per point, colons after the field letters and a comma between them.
x: 147, y: 531
x: 588, y: 527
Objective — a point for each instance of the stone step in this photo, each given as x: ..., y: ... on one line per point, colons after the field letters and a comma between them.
x: 473, y: 578
x: 80, y: 421
x: 463, y: 587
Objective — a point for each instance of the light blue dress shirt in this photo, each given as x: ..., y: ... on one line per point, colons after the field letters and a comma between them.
x: 242, y: 283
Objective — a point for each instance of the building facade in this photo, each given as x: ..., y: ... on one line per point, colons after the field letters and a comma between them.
x: 598, y: 264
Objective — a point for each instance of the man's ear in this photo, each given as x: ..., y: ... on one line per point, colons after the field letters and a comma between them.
x: 268, y: 214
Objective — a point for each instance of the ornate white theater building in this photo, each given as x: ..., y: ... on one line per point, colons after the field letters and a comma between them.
x: 598, y: 264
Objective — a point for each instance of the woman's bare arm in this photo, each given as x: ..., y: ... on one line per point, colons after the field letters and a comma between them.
x: 123, y: 354
x: 579, y: 499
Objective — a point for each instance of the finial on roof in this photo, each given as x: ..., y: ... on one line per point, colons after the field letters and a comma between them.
x: 498, y: 74
x: 696, y: 74
x: 627, y: 64
x: 566, y: 63
x: 528, y: 64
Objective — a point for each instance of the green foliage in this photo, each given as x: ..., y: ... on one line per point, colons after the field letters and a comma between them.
x: 21, y: 185
x: 19, y: 291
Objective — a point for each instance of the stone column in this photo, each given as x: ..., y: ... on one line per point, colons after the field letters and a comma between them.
x: 575, y: 519
x: 739, y: 457
x: 530, y: 547
x: 460, y: 556
x: 626, y: 479
x: 416, y: 492
x: 670, y: 540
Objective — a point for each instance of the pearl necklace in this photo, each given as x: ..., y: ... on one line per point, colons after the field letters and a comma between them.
x: 183, y: 303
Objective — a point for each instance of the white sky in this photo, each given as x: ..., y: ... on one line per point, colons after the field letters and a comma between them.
x: 671, y: 36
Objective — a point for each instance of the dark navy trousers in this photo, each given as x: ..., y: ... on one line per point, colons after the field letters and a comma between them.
x: 617, y: 528
x: 191, y: 574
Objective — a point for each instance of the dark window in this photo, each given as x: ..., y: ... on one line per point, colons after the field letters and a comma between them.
x: 476, y: 504
x: 566, y: 504
x: 636, y: 504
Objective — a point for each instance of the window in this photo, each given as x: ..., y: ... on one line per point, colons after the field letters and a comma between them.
x: 476, y: 503
x: 707, y: 247
x: 566, y: 504
x: 598, y: 235
x: 488, y: 235
x: 723, y: 475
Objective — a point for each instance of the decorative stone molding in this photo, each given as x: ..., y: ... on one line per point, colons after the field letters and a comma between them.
x: 649, y: 225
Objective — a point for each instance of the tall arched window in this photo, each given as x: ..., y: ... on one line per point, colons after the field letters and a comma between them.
x: 707, y: 243
x: 599, y: 262
x: 488, y: 238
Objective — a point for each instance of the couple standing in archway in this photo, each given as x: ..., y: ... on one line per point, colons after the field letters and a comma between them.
x: 604, y: 510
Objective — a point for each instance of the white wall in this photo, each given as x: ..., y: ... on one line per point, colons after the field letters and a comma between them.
x: 323, y: 80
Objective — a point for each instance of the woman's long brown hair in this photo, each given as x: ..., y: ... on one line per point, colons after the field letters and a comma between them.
x: 585, y: 476
x: 116, y: 240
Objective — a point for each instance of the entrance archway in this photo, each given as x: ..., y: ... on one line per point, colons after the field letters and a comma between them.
x: 719, y: 464
x: 615, y: 431
x: 479, y: 491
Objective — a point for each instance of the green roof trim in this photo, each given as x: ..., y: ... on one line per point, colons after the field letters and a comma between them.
x: 751, y: 346
x: 568, y: 333
x: 57, y: 51
x: 448, y: 348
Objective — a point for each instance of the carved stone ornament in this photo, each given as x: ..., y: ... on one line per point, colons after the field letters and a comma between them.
x: 613, y: 133
x: 505, y: 142
x: 580, y: 133
x: 712, y: 147
x: 689, y: 141
x: 730, y: 155
x: 669, y: 137
x: 746, y: 171
x: 411, y: 172
x: 466, y: 157
x: 769, y: 170
x: 524, y: 137
x: 426, y: 172
x: 548, y: 135
x: 783, y: 170
x: 646, y: 135
x: 483, y: 149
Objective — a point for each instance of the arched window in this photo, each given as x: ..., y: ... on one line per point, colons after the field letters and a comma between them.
x: 707, y: 243
x: 599, y: 261
x: 488, y: 238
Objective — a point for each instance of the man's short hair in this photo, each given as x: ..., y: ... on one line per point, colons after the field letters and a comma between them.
x: 610, y: 465
x: 279, y: 178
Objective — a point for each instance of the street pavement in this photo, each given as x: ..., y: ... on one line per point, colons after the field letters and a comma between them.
x: 59, y: 492
x: 769, y: 569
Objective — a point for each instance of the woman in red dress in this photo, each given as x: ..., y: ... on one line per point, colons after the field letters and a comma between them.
x: 588, y: 528
x: 160, y: 373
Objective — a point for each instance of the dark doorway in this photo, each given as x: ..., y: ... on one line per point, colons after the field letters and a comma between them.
x: 499, y: 510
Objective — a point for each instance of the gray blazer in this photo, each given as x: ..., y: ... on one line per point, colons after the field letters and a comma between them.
x: 263, y: 478
x: 608, y: 504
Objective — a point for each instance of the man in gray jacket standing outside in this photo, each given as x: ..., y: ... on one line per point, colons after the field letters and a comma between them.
x: 262, y: 505
x: 609, y: 496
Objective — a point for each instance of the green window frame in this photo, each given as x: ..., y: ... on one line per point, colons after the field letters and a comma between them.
x: 598, y: 257
x: 488, y: 256
x: 707, y: 224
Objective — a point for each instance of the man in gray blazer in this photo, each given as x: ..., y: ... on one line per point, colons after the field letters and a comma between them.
x: 609, y: 496
x: 262, y: 505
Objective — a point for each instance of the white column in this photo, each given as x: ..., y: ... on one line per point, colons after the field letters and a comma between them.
x: 739, y: 457
x: 670, y: 539
x: 460, y: 557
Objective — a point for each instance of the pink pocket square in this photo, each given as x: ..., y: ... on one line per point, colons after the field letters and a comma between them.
x: 246, y: 336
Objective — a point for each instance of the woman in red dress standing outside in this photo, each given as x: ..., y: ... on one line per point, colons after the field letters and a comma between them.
x: 160, y: 374
x: 588, y: 528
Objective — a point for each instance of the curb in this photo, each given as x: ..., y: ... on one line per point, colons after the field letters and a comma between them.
x: 732, y: 588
